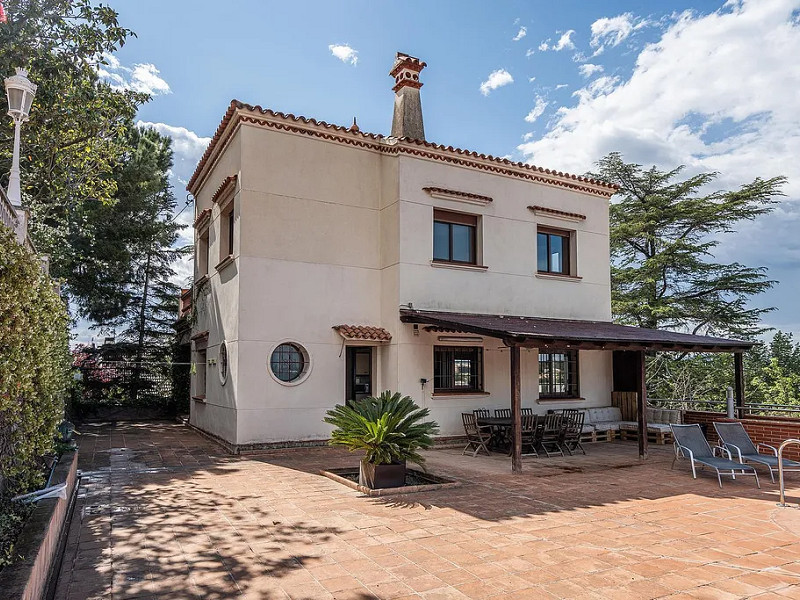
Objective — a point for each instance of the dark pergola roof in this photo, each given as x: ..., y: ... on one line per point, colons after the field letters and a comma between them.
x: 566, y: 333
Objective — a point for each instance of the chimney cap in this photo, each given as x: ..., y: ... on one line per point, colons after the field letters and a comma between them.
x: 406, y: 61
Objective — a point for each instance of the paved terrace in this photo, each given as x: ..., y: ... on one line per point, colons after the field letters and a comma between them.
x: 165, y: 513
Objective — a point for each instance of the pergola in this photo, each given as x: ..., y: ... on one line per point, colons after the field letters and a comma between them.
x: 629, y: 345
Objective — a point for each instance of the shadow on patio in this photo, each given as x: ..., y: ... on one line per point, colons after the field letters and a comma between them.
x: 165, y: 513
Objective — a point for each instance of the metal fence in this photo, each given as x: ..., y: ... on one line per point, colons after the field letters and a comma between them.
x: 160, y: 387
x: 751, y: 408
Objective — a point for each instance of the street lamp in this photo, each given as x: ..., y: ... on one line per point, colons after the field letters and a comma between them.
x: 20, y: 92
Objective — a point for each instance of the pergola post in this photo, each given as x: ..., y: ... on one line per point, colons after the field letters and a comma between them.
x: 641, y: 396
x: 516, y: 411
x: 738, y: 383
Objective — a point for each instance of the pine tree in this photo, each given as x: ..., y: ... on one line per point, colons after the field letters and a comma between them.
x: 664, y: 230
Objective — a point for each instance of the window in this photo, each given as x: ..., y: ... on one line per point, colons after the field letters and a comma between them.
x: 223, y: 363
x: 226, y: 232
x: 457, y: 369
x: 288, y: 362
x: 201, y: 259
x: 200, y: 376
x: 454, y: 236
x: 558, y: 374
x: 553, y: 251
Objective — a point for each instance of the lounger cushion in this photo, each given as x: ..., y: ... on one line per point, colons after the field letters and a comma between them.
x: 723, y: 464
x: 771, y: 461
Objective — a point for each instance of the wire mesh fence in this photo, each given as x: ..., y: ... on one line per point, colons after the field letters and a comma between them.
x: 160, y: 387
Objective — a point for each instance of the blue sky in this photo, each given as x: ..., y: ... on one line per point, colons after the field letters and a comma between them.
x: 711, y: 85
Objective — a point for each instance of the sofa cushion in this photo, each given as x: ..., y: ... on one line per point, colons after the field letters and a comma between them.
x: 603, y: 414
x: 652, y: 415
x: 607, y: 426
x: 588, y: 428
x: 663, y: 427
x: 671, y: 416
x: 629, y: 425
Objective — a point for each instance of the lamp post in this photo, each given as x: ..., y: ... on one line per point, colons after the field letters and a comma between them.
x: 20, y: 92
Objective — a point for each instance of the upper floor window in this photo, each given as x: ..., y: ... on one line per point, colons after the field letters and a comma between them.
x: 226, y: 232
x: 457, y: 369
x: 558, y: 374
x: 202, y: 254
x: 553, y: 251
x: 454, y: 237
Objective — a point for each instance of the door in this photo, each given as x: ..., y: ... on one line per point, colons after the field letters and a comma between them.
x: 359, y: 373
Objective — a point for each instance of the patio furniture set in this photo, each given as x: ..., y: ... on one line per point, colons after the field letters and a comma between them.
x: 605, y: 423
x: 733, y: 454
x: 549, y: 435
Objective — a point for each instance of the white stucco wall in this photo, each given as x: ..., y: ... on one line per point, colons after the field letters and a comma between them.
x: 330, y: 234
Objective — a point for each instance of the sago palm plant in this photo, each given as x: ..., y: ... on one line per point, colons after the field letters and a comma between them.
x: 388, y: 428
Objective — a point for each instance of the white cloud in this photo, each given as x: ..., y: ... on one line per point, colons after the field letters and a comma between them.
x: 734, y: 111
x: 565, y: 41
x: 186, y: 144
x: 344, y: 53
x: 142, y: 77
x: 530, y: 53
x: 523, y: 31
x: 537, y: 110
x: 496, y: 79
x: 531, y: 79
x: 588, y: 69
x: 608, y: 32
x: 561, y: 85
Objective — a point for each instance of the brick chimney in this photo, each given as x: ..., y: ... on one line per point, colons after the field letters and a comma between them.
x: 407, y: 121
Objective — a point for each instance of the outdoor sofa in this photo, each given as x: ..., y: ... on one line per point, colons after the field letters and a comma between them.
x: 605, y: 423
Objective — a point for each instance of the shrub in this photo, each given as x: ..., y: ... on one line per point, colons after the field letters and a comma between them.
x: 34, y: 366
x: 388, y: 428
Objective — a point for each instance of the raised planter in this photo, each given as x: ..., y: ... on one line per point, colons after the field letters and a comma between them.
x: 39, y: 543
x: 382, y: 476
x: 424, y: 482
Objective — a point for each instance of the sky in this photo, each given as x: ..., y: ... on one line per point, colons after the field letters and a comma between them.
x: 714, y: 86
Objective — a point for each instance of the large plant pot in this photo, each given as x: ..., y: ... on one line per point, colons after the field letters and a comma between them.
x: 382, y: 476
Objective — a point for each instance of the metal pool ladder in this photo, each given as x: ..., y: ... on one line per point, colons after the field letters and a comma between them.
x: 780, y: 468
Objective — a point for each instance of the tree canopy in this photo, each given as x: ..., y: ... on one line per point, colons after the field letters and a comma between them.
x: 664, y: 230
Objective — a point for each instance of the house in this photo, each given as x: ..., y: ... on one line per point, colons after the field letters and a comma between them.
x: 333, y: 263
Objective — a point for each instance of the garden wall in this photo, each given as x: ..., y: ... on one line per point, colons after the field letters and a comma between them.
x: 767, y: 430
x: 39, y: 542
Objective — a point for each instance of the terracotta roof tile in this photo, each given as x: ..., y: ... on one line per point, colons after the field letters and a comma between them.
x: 405, y: 145
x: 204, y: 215
x: 560, y: 213
x: 363, y: 332
x: 224, y: 187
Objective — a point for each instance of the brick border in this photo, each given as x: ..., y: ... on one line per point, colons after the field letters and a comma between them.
x: 42, y: 538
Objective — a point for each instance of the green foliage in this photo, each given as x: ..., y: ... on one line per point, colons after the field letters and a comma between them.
x: 663, y: 234
x: 772, y: 374
x: 34, y: 365
x: 77, y: 137
x: 12, y: 519
x: 387, y: 429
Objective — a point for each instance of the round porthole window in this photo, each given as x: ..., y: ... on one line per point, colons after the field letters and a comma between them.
x: 223, y: 363
x: 289, y: 362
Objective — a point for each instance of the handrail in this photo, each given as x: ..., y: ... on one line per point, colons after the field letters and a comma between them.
x: 780, y: 467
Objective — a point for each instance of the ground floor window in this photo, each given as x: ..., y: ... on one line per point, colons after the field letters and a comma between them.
x: 288, y: 362
x: 457, y: 369
x: 558, y: 374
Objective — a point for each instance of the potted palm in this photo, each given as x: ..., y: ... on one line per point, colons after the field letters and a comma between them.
x: 389, y: 429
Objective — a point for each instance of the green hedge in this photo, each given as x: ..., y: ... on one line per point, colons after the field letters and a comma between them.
x: 34, y: 366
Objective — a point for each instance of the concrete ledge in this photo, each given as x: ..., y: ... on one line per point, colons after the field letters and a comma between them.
x: 40, y: 540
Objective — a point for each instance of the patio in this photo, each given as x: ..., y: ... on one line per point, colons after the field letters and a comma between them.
x: 163, y: 512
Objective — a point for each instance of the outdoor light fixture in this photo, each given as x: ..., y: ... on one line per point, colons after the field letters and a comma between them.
x: 20, y: 92
x: 460, y: 338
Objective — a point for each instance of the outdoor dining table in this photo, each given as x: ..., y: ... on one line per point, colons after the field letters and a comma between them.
x: 500, y: 427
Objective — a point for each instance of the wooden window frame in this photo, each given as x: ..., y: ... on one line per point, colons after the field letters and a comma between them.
x: 202, y: 252
x: 566, y: 245
x: 453, y: 218
x: 452, y: 351
x: 573, y: 378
